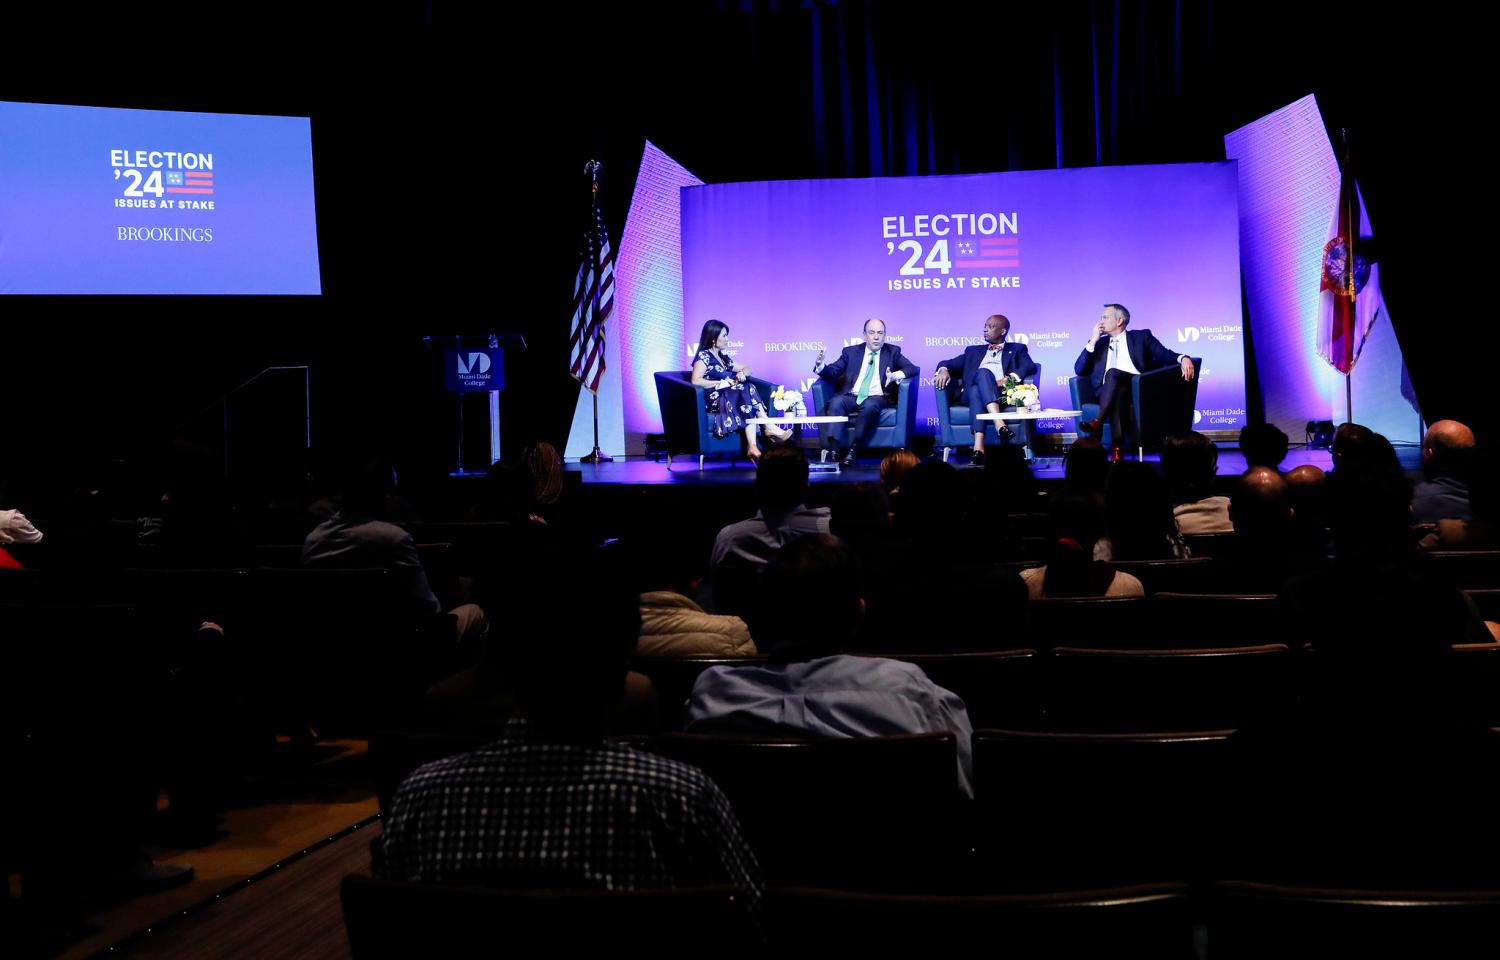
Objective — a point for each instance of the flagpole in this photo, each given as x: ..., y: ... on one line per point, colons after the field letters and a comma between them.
x: 592, y: 169
x: 1351, y: 217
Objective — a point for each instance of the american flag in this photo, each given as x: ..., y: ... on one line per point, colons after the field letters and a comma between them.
x: 593, y: 299
x: 988, y: 252
x: 190, y: 181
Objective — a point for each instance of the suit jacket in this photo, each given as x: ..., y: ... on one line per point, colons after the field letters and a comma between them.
x: 353, y: 542
x: 1146, y: 352
x: 964, y: 368
x: 844, y: 372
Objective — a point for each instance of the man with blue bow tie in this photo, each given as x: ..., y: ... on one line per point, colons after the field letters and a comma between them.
x: 980, y: 370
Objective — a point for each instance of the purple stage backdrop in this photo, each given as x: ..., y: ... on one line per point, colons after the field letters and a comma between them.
x: 792, y: 266
x: 1289, y: 186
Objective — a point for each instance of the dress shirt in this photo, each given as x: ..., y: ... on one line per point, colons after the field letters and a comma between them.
x: 838, y: 696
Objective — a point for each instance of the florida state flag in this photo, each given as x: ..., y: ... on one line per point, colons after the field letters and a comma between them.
x: 1349, y: 285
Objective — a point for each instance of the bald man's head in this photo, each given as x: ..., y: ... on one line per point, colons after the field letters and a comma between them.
x: 1447, y: 448
x: 1305, y: 487
x: 1261, y: 505
x: 1262, y: 483
x: 1306, y: 477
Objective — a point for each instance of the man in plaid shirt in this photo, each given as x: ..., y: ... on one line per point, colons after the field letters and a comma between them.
x: 552, y: 804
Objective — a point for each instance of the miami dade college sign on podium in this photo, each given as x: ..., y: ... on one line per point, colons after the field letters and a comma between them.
x: 475, y: 363
x: 470, y: 370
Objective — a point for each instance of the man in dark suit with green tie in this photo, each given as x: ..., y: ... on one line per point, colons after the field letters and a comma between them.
x: 866, y: 378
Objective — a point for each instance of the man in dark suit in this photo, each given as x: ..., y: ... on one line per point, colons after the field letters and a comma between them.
x: 1113, y: 357
x: 866, y: 378
x: 978, y: 372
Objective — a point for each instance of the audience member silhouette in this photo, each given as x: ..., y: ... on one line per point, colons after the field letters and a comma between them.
x: 1190, y: 462
x: 893, y: 470
x: 1086, y: 466
x: 810, y: 687
x: 1268, y: 547
x: 1071, y: 570
x: 551, y: 803
x: 1138, y: 517
x: 742, y: 548
x: 1263, y: 445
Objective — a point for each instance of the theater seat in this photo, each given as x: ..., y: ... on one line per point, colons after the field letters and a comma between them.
x: 1139, y: 921
x: 1059, y: 809
x: 1210, y: 688
x: 401, y: 920
x: 1255, y: 920
x: 858, y: 813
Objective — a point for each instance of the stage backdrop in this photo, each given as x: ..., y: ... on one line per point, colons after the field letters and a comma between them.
x: 642, y: 335
x: 1289, y: 187
x: 97, y: 200
x: 793, y: 266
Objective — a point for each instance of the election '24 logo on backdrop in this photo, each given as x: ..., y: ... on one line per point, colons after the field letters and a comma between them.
x: 163, y: 179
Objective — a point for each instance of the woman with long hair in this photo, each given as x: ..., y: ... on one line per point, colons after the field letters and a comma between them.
x: 731, y: 401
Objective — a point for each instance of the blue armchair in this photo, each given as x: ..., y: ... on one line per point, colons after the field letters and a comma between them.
x: 1161, y: 404
x: 684, y: 416
x: 956, y: 430
x: 898, y: 424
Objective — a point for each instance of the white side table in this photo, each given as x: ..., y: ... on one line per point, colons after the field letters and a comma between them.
x: 790, y: 419
x: 819, y: 467
x: 1046, y: 414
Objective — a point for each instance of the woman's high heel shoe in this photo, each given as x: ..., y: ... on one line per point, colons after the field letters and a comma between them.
x: 754, y: 456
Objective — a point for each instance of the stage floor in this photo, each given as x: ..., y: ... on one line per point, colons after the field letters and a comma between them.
x: 684, y: 469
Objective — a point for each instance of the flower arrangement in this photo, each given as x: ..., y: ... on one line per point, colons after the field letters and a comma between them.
x: 1014, y: 393
x: 788, y: 402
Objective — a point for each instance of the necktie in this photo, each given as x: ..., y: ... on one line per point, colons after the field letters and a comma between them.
x: 1113, y: 343
x: 864, y: 380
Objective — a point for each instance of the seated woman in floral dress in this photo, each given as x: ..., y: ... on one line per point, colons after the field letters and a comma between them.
x: 731, y: 401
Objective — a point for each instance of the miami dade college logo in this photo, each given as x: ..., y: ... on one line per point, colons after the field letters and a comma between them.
x: 1187, y: 334
x: 475, y: 370
x: 473, y: 364
x: 1020, y: 338
x: 1197, y: 417
x: 729, y: 351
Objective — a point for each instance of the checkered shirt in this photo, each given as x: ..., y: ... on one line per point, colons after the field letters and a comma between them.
x: 526, y: 811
